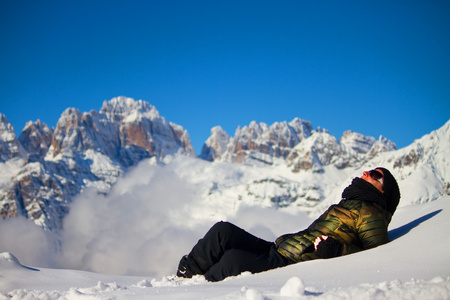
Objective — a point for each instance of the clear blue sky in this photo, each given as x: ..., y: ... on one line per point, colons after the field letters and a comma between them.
x: 375, y: 67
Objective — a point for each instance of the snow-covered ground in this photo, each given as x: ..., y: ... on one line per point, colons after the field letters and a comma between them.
x: 414, y: 265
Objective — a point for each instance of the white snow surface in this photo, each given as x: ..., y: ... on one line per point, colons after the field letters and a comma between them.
x: 414, y: 265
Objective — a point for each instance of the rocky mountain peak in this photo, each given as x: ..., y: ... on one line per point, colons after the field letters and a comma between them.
x: 357, y: 142
x: 315, y: 152
x: 216, y: 145
x: 381, y: 145
x: 10, y: 147
x: 258, y: 143
x: 36, y: 139
x: 125, y: 109
x: 125, y: 130
x: 295, y: 143
x: 302, y: 128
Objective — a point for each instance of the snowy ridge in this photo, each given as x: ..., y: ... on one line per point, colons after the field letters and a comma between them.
x: 257, y: 143
x: 295, y: 144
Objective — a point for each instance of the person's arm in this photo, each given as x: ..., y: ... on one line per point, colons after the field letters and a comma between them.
x: 294, y: 245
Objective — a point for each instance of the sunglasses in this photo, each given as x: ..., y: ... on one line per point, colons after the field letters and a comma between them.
x: 376, y: 176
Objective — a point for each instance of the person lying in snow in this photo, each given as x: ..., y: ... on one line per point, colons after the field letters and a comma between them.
x: 360, y: 221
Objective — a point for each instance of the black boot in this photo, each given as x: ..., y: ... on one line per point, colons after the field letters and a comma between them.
x: 188, y: 268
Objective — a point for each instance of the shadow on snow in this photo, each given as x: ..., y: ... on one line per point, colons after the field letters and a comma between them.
x: 400, y: 231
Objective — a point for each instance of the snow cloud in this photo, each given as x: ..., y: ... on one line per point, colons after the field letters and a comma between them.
x: 136, y: 229
x: 27, y: 241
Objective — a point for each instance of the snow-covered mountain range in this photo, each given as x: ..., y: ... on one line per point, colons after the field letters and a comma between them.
x: 287, y: 165
x: 43, y: 169
x: 295, y: 144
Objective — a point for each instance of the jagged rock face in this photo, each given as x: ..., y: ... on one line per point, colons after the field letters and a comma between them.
x: 357, y: 142
x: 411, y: 158
x: 380, y: 146
x: 80, y: 132
x: 125, y: 130
x: 36, y: 138
x: 85, y: 149
x: 295, y: 144
x: 184, y: 139
x: 10, y: 147
x: 261, y: 144
x: 216, y: 145
x: 41, y: 196
x: 446, y: 189
x: 320, y: 149
x: 142, y: 130
x: 9, y: 205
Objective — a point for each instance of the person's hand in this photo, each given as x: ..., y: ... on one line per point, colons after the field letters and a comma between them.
x: 327, y: 247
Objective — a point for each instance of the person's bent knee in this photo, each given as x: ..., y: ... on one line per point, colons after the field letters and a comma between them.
x: 223, y: 226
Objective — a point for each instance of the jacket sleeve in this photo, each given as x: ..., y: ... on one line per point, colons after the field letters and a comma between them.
x: 294, y: 245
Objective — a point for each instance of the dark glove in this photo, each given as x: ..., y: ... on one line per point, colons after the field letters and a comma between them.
x: 329, y: 248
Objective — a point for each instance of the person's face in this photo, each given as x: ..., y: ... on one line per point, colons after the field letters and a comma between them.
x: 366, y: 176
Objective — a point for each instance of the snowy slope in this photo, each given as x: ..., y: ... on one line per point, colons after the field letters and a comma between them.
x: 414, y: 265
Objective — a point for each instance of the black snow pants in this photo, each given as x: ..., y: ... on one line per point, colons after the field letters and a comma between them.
x: 227, y: 250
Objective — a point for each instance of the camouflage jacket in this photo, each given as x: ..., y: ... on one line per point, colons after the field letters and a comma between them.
x: 356, y: 224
